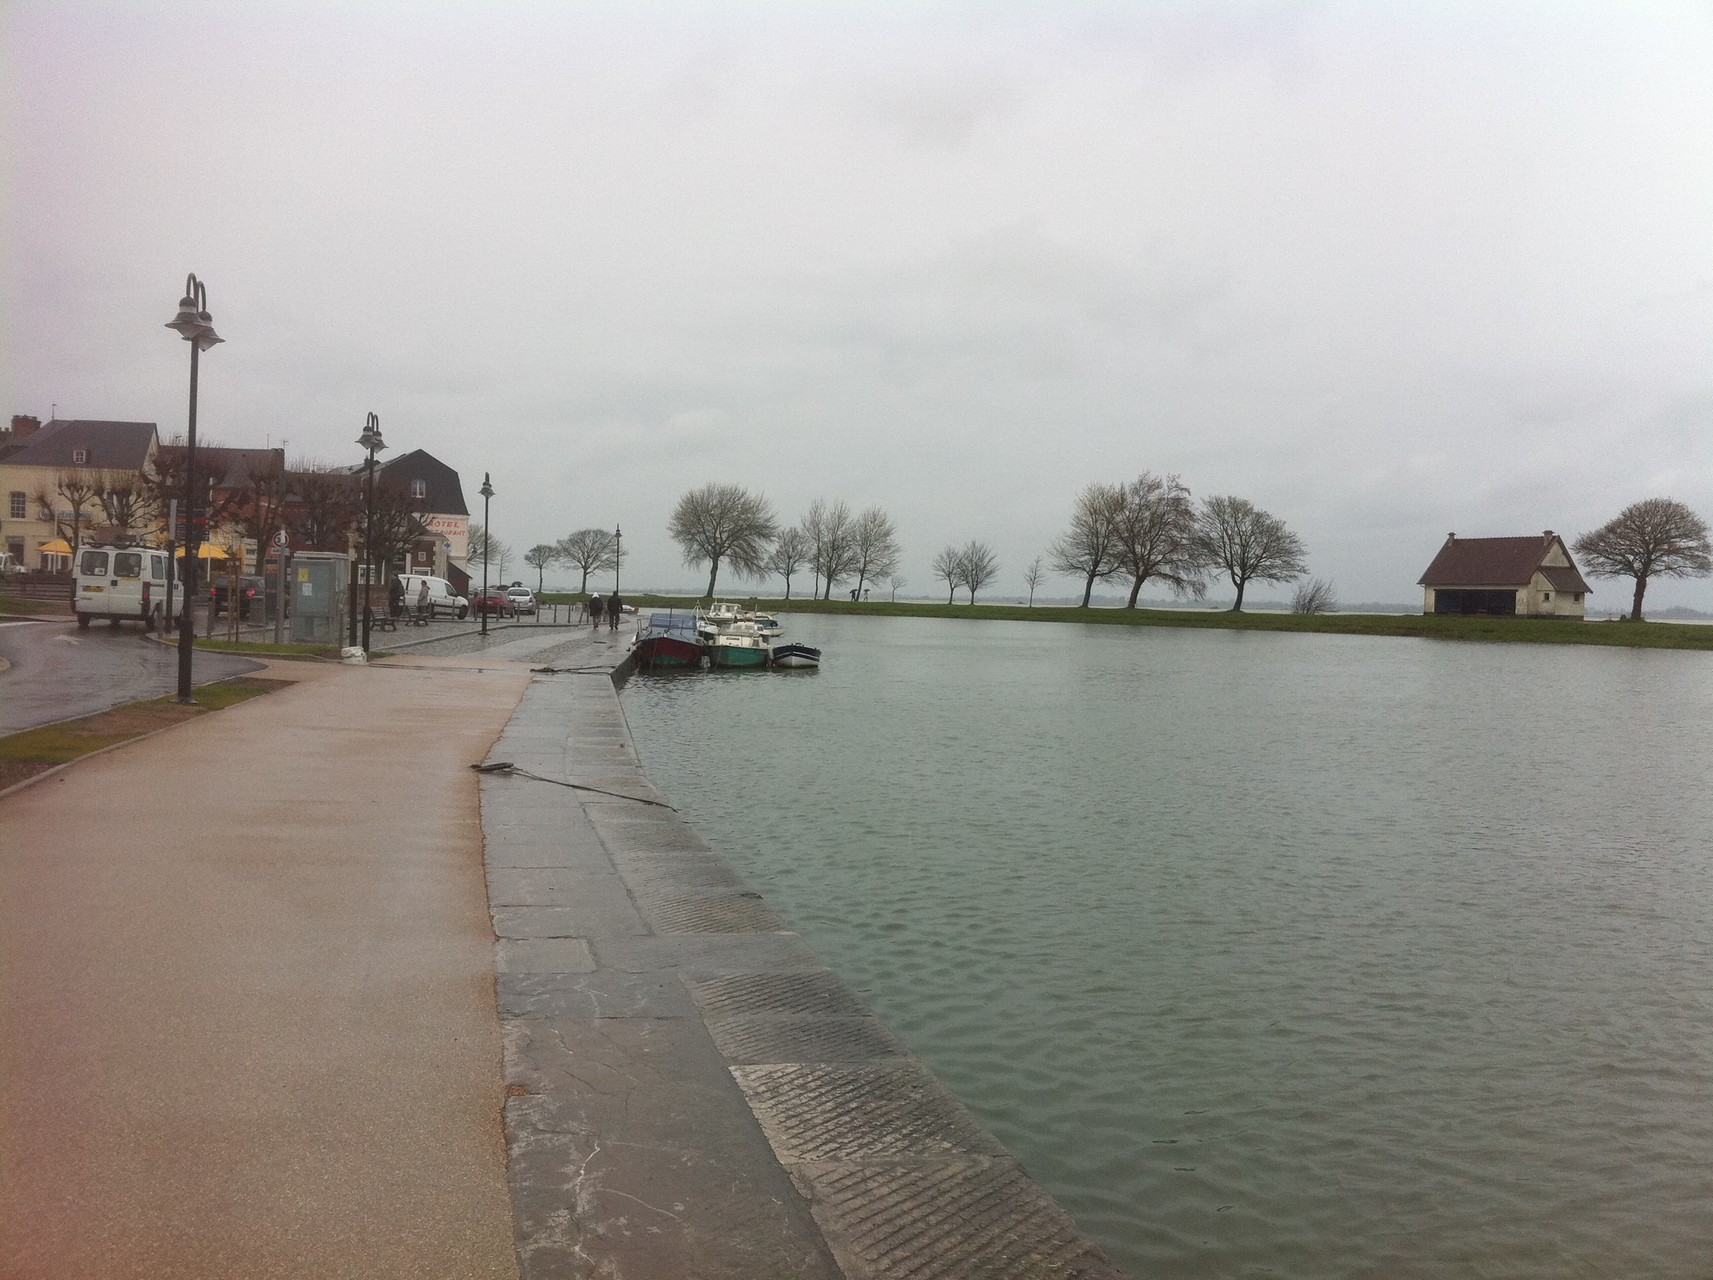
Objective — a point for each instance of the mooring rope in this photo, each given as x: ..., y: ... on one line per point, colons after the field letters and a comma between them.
x: 510, y: 769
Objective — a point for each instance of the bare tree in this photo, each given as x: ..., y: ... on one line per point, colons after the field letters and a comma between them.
x: 397, y: 523
x: 789, y: 554
x: 263, y: 502
x: 1250, y: 545
x: 896, y: 581
x: 484, y: 545
x: 1089, y: 548
x: 1657, y: 537
x: 1314, y: 596
x: 80, y: 489
x: 591, y: 550
x: 125, y: 503
x: 724, y: 523
x: 830, y: 529
x: 1156, y: 534
x: 977, y: 566
x: 1032, y: 578
x: 949, y: 568
x: 874, y: 546
x: 325, y: 508
x: 538, y: 558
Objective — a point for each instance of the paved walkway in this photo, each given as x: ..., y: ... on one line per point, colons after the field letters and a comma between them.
x: 248, y: 1007
x: 263, y: 1018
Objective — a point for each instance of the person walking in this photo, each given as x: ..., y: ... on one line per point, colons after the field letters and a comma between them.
x: 614, y: 607
x: 395, y: 597
x: 595, y: 611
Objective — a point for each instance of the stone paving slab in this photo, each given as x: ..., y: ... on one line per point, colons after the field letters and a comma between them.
x: 693, y: 1093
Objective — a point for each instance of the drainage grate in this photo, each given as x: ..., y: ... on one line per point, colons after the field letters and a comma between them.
x: 817, y: 1112
x: 729, y: 913
x: 823, y: 993
x: 751, y: 1038
x: 950, y: 1221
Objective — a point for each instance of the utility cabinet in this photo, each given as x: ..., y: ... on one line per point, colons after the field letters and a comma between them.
x: 317, y: 582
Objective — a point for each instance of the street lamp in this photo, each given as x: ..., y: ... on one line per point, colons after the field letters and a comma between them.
x: 618, y: 556
x: 196, y: 327
x: 370, y: 440
x: 487, y: 491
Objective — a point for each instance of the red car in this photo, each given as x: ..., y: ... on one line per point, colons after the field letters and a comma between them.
x: 495, y: 601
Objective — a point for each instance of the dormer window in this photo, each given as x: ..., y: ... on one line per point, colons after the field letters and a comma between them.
x: 419, y: 488
x: 80, y: 457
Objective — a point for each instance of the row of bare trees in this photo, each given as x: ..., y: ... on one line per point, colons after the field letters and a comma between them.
x: 587, y: 550
x: 324, y: 509
x: 725, y: 524
x: 1151, y: 529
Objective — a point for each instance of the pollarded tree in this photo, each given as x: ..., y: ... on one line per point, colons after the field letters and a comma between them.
x: 1156, y: 535
x: 1089, y: 548
x: 724, y: 523
x: 591, y: 550
x: 790, y: 553
x: 874, y: 546
x: 949, y: 568
x: 538, y: 558
x: 977, y: 566
x: 1654, y: 538
x: 1248, y: 544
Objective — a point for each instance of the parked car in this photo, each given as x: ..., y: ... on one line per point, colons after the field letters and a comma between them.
x: 250, y: 591
x: 494, y: 601
x: 522, y: 598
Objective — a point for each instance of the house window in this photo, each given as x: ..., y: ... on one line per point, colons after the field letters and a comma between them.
x: 80, y: 457
x: 419, y: 488
x: 1547, y: 596
x: 1576, y: 596
x: 20, y: 505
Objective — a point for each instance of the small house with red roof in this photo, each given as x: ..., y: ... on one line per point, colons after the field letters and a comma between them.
x: 1531, y: 577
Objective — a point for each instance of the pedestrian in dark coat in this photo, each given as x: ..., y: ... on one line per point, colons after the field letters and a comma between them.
x: 614, y: 607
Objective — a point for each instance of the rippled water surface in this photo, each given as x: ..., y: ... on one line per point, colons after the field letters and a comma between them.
x: 1269, y: 955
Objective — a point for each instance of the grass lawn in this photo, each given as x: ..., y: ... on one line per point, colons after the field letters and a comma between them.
x: 33, y: 751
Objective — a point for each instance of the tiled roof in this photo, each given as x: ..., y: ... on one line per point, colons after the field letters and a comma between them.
x: 1494, y: 562
x: 445, y: 494
x: 236, y: 466
x: 1563, y: 579
x: 105, y: 444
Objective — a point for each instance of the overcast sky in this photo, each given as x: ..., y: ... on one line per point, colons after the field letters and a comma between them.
x: 1387, y: 270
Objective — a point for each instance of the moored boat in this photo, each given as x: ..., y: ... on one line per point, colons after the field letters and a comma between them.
x: 793, y: 654
x: 668, y: 641
x: 739, y: 645
x: 768, y: 623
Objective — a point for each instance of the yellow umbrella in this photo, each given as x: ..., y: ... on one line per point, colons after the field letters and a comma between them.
x: 207, y: 551
x: 58, y: 547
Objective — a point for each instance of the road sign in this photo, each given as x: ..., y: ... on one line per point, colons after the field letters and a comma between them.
x: 281, y: 538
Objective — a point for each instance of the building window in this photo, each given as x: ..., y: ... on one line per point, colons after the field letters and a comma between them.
x: 20, y: 506
x: 419, y: 488
x: 1547, y: 597
x: 80, y: 457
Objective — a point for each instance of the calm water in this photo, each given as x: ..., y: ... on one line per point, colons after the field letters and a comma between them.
x: 1269, y: 955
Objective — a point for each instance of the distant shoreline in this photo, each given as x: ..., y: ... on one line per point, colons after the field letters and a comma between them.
x: 1614, y: 634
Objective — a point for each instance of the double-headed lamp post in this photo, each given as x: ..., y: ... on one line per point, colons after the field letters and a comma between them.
x: 618, y: 556
x: 370, y: 440
x: 487, y: 492
x: 196, y: 327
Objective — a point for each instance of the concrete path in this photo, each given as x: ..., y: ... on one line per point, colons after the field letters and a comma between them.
x: 248, y: 1007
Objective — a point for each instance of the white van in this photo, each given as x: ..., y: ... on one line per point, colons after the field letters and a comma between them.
x: 122, y: 584
x: 441, y: 597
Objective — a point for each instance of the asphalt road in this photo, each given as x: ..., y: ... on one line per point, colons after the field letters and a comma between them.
x: 58, y: 672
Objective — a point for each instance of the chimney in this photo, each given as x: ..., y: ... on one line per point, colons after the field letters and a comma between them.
x: 1451, y: 537
x: 1549, y: 535
x: 24, y: 425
